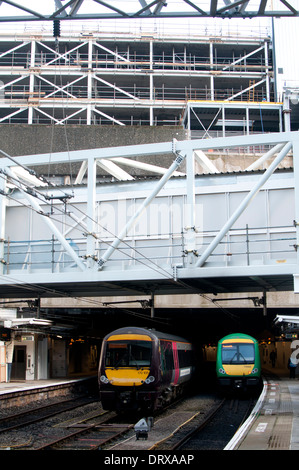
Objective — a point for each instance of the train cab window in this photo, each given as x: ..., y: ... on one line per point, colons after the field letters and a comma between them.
x: 237, y: 353
x: 128, y: 354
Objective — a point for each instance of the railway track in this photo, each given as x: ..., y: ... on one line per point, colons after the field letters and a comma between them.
x: 218, y: 428
x: 87, y: 436
x: 210, y: 430
x: 79, y: 423
x: 186, y: 430
x: 82, y: 424
x: 39, y: 413
x: 102, y: 431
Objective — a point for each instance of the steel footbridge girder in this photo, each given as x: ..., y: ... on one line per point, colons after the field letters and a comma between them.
x: 141, y: 9
x: 177, y: 233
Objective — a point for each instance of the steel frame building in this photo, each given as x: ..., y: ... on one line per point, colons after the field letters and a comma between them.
x: 125, y: 79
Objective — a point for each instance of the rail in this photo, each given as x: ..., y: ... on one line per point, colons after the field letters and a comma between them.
x: 247, y: 246
x: 45, y: 92
x: 125, y: 60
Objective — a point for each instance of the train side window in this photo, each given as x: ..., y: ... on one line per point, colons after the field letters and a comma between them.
x: 185, y: 357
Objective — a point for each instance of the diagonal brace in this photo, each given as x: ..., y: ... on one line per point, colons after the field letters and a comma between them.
x: 177, y: 162
x: 50, y: 224
x: 246, y: 201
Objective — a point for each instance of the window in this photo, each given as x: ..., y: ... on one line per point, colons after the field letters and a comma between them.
x: 237, y: 353
x: 128, y: 354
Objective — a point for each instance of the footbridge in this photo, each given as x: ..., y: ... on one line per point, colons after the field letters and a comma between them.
x: 174, y: 232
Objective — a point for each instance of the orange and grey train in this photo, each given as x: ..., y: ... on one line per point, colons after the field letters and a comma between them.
x: 143, y: 369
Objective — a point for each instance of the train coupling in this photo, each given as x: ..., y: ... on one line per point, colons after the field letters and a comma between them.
x: 143, y: 427
x: 238, y: 384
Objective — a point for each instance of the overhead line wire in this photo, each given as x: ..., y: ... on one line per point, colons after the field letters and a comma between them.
x: 46, y: 201
x: 159, y: 269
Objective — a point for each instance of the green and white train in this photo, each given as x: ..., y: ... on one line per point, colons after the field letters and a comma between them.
x: 238, y: 364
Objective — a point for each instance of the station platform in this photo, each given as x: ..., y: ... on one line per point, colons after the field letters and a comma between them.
x: 15, y: 386
x: 274, y: 422
x: 25, y: 392
x: 27, y: 385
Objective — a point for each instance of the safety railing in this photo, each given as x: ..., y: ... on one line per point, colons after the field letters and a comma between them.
x: 247, y: 246
x: 251, y: 246
x: 115, y: 90
x: 128, y: 60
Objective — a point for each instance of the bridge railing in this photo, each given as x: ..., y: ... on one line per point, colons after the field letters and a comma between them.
x: 247, y: 246
x: 252, y: 246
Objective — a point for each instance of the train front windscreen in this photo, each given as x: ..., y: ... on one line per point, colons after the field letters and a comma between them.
x: 128, y: 353
x: 237, y: 353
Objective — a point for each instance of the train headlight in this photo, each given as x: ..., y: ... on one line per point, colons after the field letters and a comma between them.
x: 149, y: 379
x: 222, y: 371
x: 104, y: 379
x: 255, y: 370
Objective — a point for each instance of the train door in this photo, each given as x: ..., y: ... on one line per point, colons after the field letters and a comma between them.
x: 166, y: 360
x: 176, y: 363
x: 18, y: 371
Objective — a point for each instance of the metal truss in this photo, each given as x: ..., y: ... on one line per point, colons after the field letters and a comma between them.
x: 91, y: 80
x: 80, y: 9
x: 130, y: 257
x: 223, y: 117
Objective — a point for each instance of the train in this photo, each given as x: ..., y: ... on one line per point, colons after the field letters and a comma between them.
x: 238, y: 364
x: 143, y: 369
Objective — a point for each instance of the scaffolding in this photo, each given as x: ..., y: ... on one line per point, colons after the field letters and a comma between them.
x: 142, y: 79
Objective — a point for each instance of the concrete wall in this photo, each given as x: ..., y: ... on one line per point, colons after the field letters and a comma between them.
x: 18, y: 139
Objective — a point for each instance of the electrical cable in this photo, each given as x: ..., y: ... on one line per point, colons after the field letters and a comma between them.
x: 126, y: 243
x: 53, y: 292
x: 79, y: 223
x: 40, y: 195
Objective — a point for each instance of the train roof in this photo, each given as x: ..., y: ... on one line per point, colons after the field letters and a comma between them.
x: 152, y: 333
x: 236, y: 336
